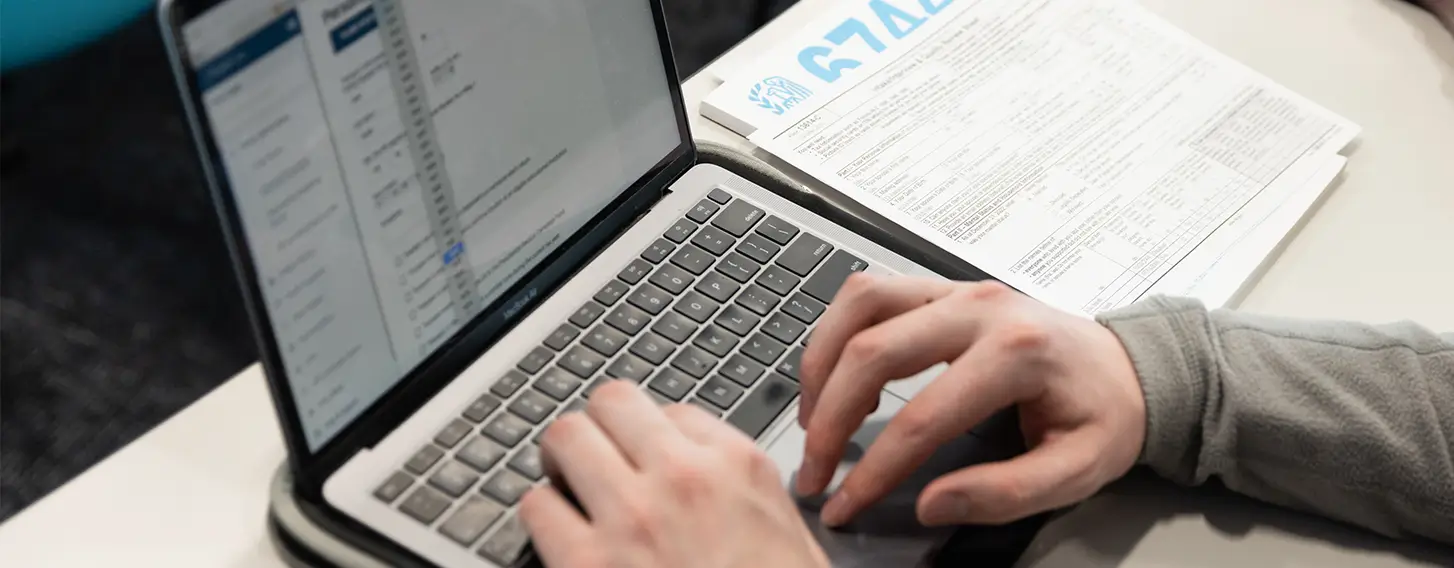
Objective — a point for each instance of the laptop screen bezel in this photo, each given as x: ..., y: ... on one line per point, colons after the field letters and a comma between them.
x: 312, y: 467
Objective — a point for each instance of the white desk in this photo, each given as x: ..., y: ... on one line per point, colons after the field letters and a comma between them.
x: 192, y: 492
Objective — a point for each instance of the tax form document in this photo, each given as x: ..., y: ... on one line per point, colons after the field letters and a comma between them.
x: 1079, y: 150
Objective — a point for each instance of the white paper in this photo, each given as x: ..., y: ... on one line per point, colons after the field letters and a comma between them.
x: 1077, y: 149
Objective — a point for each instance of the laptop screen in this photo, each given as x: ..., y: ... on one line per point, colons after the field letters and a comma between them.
x: 397, y: 165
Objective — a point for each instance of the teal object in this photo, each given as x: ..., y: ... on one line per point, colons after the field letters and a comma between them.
x: 34, y: 30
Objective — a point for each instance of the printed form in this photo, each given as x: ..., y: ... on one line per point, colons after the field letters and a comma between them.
x: 1084, y: 152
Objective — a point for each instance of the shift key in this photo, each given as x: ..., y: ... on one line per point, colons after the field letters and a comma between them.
x: 825, y: 283
x: 804, y: 254
x: 763, y: 405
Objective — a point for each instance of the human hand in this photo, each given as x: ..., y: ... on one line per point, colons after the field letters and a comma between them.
x: 1080, y: 403
x: 662, y: 488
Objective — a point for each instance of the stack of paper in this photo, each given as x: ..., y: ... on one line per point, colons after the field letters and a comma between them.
x: 1084, y: 151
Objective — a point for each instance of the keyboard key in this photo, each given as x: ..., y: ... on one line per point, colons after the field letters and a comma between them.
x: 694, y: 362
x: 454, y: 478
x: 703, y: 211
x: 763, y: 349
x: 424, y: 459
x: 827, y: 280
x: 672, y: 279
x: 480, y: 454
x: 611, y: 292
x: 532, y: 406
x: 804, y: 254
x: 561, y: 337
x: 455, y: 431
x: 738, y: 320
x: 628, y: 319
x: 738, y: 218
x: 393, y: 487
x: 742, y: 370
x: 507, y: 385
x: 653, y: 348
x: 717, y: 287
x: 575, y: 405
x: 471, y: 520
x: 635, y: 271
x: 778, y: 230
x: 506, y: 487
x: 713, y: 240
x: 763, y: 405
x: 719, y: 196
x: 507, y: 429
x: 707, y: 406
x: 738, y: 267
x: 587, y: 314
x: 605, y: 340
x: 424, y: 504
x: 527, y: 463
x: 692, y: 258
x: 758, y: 248
x: 650, y: 298
x: 672, y: 384
x: 582, y: 362
x: 675, y: 327
x: 507, y: 545
x: 481, y: 408
x: 557, y: 383
x: 720, y: 392
x: 790, y: 367
x: 784, y: 328
x: 696, y: 306
x: 681, y: 231
x: 536, y: 360
x: 658, y: 251
x: 804, y: 308
x: 758, y: 299
x: 628, y: 367
x: 716, y: 341
x: 778, y: 280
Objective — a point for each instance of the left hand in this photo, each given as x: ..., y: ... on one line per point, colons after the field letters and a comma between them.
x: 661, y: 488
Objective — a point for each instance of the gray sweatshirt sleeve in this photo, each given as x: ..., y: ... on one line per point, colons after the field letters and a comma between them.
x: 1347, y: 420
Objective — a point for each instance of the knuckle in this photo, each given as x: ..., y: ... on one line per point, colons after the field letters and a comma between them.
x: 915, y: 425
x: 1024, y: 337
x: 687, y: 475
x: 639, y: 522
x: 859, y: 285
x: 866, y: 347
x: 757, y: 463
x: 984, y: 291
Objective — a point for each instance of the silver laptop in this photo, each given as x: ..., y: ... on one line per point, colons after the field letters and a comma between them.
x: 453, y: 219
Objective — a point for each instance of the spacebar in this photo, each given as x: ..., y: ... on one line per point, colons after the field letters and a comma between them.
x: 763, y: 405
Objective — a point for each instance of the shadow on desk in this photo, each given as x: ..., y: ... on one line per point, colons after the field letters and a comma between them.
x: 1114, y: 527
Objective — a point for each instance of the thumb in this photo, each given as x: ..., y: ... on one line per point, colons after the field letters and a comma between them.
x: 1059, y: 472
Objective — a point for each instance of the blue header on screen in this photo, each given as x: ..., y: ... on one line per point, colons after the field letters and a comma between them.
x: 354, y: 28
x: 229, y: 62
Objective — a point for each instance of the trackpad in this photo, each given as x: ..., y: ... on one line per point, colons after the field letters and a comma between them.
x: 888, y: 533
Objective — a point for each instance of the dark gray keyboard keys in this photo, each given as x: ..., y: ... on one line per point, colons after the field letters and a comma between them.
x: 720, y: 392
x: 716, y: 341
x: 758, y: 299
x: 758, y: 248
x: 672, y: 279
x: 650, y: 299
x: 527, y: 463
x: 582, y: 362
x: 575, y: 405
x: 471, y: 520
x: 693, y: 259
x: 453, y: 432
x: 612, y: 292
x: 791, y: 365
x: 675, y: 327
x: 763, y: 349
x: 721, y: 197
x: 628, y: 367
x: 681, y: 231
x: 480, y: 453
x: 804, y: 254
x: 738, y: 267
x: 454, y: 478
x: 506, y: 487
x: 506, y: 545
x: 628, y: 319
x: 658, y: 251
x: 738, y: 218
x: 763, y: 405
x: 425, y: 504
x: 824, y: 283
x: 694, y: 361
x: 713, y: 240
x: 423, y: 459
x: 587, y: 314
x: 481, y: 408
x: 696, y: 306
x: 778, y: 280
x: 393, y: 487
x: 562, y: 336
x: 672, y: 384
x: 742, y: 370
x: 508, y: 384
x: 653, y: 348
x: 738, y: 320
x: 804, y: 308
x: 784, y: 328
x: 703, y: 211
x: 532, y: 406
x: 717, y: 287
x: 605, y: 340
x: 507, y: 430
x: 536, y: 360
x: 777, y: 230
x: 557, y: 383
x: 635, y: 271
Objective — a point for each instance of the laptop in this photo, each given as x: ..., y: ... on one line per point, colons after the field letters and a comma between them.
x: 453, y: 219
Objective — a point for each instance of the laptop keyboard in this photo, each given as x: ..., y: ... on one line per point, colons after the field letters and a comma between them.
x: 715, y: 313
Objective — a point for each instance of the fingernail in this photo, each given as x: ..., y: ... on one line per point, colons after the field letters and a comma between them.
x: 838, y: 509
x: 808, y: 473
x: 947, y: 509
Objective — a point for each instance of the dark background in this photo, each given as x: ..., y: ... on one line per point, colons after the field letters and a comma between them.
x: 117, y: 303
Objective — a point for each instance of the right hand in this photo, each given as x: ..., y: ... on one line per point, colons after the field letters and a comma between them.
x: 1080, y: 403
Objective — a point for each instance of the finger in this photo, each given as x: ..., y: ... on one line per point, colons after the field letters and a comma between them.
x: 982, y: 381
x: 703, y: 428
x: 633, y: 422
x: 1059, y: 472
x: 900, y: 347
x: 557, y: 530
x: 863, y: 301
x: 589, y: 463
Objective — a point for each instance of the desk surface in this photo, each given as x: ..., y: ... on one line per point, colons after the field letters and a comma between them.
x: 193, y: 491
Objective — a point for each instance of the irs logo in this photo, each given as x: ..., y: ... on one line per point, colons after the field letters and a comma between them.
x: 778, y: 94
